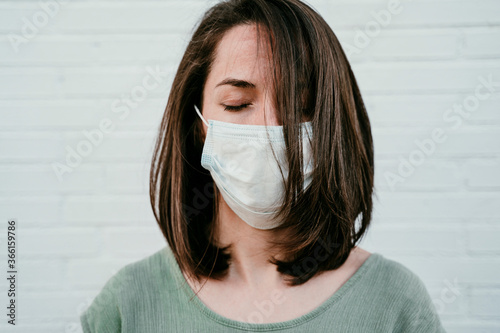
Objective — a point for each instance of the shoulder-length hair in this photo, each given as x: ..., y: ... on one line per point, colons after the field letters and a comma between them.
x: 312, y: 79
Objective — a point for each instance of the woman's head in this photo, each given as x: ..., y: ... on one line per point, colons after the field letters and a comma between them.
x: 237, y: 88
x: 273, y: 62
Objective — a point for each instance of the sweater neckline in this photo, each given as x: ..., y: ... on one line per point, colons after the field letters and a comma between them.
x: 256, y: 327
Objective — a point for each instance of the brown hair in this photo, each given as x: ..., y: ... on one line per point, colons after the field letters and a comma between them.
x: 313, y: 79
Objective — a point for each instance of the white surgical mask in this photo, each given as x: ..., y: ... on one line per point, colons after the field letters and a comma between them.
x: 241, y: 162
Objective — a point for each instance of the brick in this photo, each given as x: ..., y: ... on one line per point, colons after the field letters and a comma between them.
x: 108, y: 210
x: 432, y: 175
x: 110, y: 16
x: 405, y: 44
x: 487, y: 112
x: 119, y: 146
x: 118, y: 81
x: 60, y: 243
x: 482, y: 174
x: 44, y: 210
x: 484, y: 303
x: 49, y: 273
x: 470, y: 143
x: 110, y: 49
x: 408, y: 110
x: 415, y: 14
x: 423, y: 77
x: 29, y: 146
x: 93, y: 273
x: 482, y: 43
x: 448, y: 304
x: 415, y: 240
x: 34, y: 82
x: 43, y: 180
x: 421, y: 110
x: 413, y: 111
x: 133, y: 241
x: 437, y: 269
x: 390, y: 142
x: 63, y: 305
x: 483, y: 239
x: 40, y: 327
x: 457, y: 325
x: 449, y: 207
x: 61, y: 115
x: 128, y: 178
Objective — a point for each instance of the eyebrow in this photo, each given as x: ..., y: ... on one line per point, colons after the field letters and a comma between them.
x: 236, y: 83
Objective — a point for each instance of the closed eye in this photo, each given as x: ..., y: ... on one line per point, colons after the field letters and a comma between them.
x: 235, y: 107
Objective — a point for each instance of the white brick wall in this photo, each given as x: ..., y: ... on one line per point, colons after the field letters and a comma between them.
x: 441, y: 219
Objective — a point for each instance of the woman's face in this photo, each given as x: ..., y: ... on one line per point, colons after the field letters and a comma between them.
x: 239, y: 86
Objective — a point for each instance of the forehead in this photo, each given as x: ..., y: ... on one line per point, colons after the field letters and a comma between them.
x: 243, y: 53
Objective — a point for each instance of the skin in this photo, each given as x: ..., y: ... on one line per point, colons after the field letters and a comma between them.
x: 251, y: 278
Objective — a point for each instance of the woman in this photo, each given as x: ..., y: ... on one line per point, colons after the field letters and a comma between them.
x: 261, y: 183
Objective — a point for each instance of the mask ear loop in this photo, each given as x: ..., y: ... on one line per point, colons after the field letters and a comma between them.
x: 199, y: 113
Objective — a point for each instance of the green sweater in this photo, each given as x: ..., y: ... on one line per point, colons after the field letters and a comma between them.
x: 149, y: 296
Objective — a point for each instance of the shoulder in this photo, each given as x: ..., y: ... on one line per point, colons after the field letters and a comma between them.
x: 131, y: 283
x: 387, y: 275
x: 398, y: 280
x: 402, y: 292
x: 143, y: 272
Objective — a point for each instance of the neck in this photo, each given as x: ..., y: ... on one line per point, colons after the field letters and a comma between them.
x: 250, y: 250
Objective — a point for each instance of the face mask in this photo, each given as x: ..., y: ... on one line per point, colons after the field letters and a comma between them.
x: 242, y: 164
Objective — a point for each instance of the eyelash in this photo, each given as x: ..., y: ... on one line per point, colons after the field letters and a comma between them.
x: 235, y: 107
